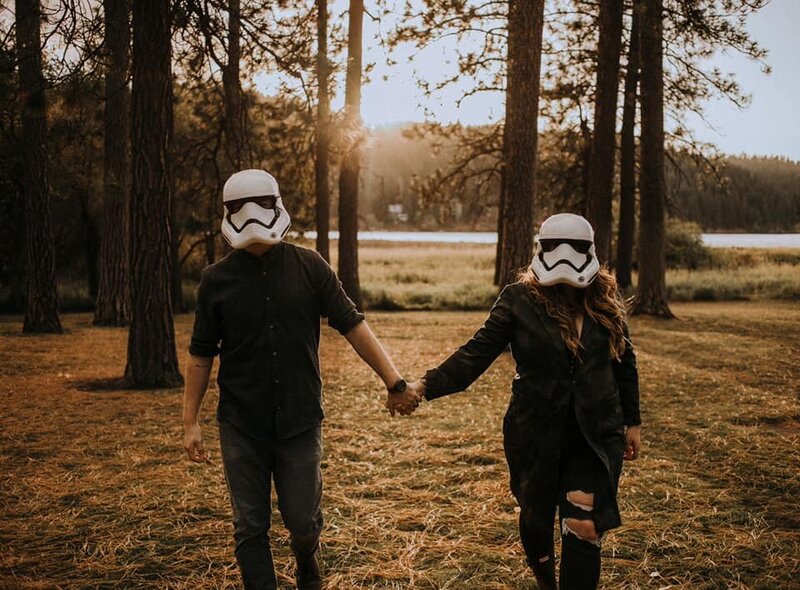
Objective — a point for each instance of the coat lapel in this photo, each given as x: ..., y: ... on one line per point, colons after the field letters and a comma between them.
x: 553, y: 331
x: 588, y: 328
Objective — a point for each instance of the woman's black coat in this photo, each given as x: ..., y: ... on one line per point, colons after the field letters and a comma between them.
x: 605, y: 394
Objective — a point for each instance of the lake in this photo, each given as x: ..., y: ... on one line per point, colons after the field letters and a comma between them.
x: 711, y: 240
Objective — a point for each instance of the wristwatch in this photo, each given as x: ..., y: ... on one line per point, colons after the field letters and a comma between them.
x: 399, y: 387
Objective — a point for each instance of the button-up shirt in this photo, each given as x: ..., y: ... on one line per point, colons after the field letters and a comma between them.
x: 261, y: 314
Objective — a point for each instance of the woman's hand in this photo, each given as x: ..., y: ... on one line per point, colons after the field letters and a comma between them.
x: 633, y: 443
x: 405, y: 403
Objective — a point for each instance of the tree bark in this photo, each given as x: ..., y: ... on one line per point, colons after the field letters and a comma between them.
x: 525, y: 21
x: 351, y: 160
x: 322, y: 159
x: 601, y: 165
x: 651, y: 295
x: 91, y: 244
x: 498, y: 254
x: 41, y: 306
x: 234, y: 124
x: 113, y: 296
x: 627, y: 164
x: 152, y: 358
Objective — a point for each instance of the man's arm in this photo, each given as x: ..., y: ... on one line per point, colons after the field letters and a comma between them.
x: 198, y: 373
x: 369, y: 348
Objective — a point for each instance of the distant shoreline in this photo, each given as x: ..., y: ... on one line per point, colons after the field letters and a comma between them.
x: 712, y: 240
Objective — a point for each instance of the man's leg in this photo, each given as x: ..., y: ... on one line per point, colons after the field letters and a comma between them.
x: 298, y: 481
x: 247, y: 465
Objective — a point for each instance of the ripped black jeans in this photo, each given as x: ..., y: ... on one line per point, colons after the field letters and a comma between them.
x: 581, y: 474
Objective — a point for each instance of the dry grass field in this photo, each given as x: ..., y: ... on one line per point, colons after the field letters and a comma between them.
x: 96, y: 493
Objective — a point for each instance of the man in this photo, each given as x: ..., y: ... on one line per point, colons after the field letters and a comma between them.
x: 259, y: 308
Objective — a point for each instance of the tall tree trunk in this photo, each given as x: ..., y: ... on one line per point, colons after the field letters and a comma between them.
x: 91, y: 244
x: 525, y: 21
x: 234, y: 132
x: 498, y: 252
x: 176, y: 284
x: 627, y: 162
x: 152, y: 358
x: 113, y: 296
x: 651, y: 295
x: 601, y: 165
x: 322, y: 160
x: 351, y: 160
x: 41, y: 306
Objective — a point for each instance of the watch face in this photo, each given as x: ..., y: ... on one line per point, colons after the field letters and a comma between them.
x: 400, y: 386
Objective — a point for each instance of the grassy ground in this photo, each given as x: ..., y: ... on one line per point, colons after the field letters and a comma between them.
x: 421, y: 276
x: 96, y: 493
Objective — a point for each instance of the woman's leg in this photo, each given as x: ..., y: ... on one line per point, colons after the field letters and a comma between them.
x: 537, y: 513
x: 581, y: 474
x: 537, y: 540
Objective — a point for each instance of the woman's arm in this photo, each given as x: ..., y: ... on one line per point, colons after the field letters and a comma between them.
x: 469, y: 362
x: 627, y: 377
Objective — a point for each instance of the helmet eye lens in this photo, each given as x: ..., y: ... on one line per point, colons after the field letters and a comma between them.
x: 267, y: 202
x: 580, y: 246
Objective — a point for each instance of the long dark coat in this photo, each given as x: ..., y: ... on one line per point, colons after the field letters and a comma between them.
x: 605, y: 393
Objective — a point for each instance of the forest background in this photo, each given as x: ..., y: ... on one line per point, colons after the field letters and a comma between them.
x: 426, y: 176
x: 120, y: 121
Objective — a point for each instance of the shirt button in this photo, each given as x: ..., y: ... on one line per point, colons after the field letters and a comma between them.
x: 271, y: 326
x: 268, y: 297
x: 274, y: 353
x: 276, y: 381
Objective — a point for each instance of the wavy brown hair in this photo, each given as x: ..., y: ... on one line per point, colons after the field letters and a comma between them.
x: 600, y: 300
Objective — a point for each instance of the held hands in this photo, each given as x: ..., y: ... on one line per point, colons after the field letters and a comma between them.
x: 632, y: 443
x: 405, y: 403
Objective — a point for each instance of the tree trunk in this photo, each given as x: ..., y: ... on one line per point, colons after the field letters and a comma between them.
x: 234, y: 132
x: 651, y: 295
x: 91, y: 244
x: 113, y: 296
x: 41, y: 306
x: 627, y: 164
x: 601, y: 165
x: 322, y: 160
x: 351, y: 160
x: 525, y: 21
x: 498, y: 253
x: 152, y: 358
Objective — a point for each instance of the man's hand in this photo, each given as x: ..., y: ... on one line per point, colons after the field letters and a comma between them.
x: 405, y: 403
x: 193, y: 443
x: 632, y: 443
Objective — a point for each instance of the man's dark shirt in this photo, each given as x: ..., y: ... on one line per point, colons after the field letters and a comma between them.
x: 261, y: 314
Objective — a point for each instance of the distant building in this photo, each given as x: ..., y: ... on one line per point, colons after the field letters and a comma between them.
x: 396, y: 213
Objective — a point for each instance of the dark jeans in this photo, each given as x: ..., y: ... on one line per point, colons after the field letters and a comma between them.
x: 250, y: 466
x: 580, y: 470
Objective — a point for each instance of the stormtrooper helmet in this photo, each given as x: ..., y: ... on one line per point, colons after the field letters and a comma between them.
x: 254, y: 211
x: 564, y: 252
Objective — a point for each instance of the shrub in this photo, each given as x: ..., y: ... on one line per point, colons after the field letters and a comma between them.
x: 685, y: 247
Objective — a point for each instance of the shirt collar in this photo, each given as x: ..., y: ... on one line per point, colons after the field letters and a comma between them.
x: 266, y: 258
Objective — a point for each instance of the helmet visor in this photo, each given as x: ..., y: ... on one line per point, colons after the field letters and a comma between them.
x: 265, y: 201
x: 580, y: 246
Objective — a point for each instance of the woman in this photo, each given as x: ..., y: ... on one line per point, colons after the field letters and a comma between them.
x: 574, y: 411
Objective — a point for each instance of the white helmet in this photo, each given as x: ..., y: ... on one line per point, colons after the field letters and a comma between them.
x: 254, y: 211
x: 564, y: 251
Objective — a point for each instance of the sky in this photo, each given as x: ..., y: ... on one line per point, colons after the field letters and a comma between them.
x: 769, y: 126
